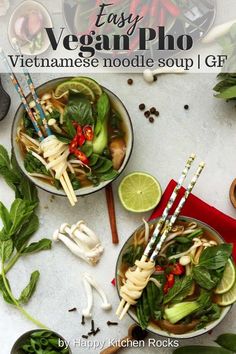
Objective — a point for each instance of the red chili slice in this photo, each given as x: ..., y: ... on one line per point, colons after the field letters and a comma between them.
x: 81, y: 156
x: 88, y: 132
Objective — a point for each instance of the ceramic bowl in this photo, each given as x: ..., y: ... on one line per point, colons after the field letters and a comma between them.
x: 154, y: 329
x: 21, y: 340
x: 117, y: 104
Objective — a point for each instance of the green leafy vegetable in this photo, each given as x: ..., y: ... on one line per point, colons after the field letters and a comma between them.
x: 215, y: 257
x: 203, y: 277
x: 101, y: 129
x: 180, y: 290
x: 28, y: 291
x: 19, y: 224
x: 132, y: 254
x: 228, y: 341
x: 33, y: 165
x: 79, y: 109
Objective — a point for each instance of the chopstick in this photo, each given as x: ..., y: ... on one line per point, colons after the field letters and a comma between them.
x: 124, y: 305
x: 64, y: 180
x: 112, y: 214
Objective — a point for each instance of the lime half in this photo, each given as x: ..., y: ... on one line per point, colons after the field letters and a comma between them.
x: 74, y: 85
x: 92, y: 84
x: 228, y: 298
x: 139, y: 192
x: 227, y: 280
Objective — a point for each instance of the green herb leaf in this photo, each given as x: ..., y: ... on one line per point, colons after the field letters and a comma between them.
x: 4, y: 291
x: 41, y: 245
x: 70, y: 129
x: 5, y: 217
x: 179, y: 291
x: 200, y: 349
x: 20, y: 212
x: 23, y: 236
x: 4, y: 157
x: 7, y: 248
x: 227, y: 93
x: 202, y: 276
x: 79, y: 109
x: 228, y: 341
x: 28, y: 291
x: 215, y: 257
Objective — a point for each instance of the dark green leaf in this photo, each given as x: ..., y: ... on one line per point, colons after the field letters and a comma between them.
x: 215, y: 257
x: 202, y: 276
x: 41, y: 245
x: 227, y: 93
x: 26, y: 232
x: 5, y: 216
x: 4, y: 157
x: 29, y: 191
x: 180, y: 290
x: 4, y: 291
x: 70, y: 129
x: 28, y: 291
x: 7, y: 248
x: 10, y: 177
x: 132, y: 254
x: 20, y: 212
x: 79, y: 109
x: 228, y: 341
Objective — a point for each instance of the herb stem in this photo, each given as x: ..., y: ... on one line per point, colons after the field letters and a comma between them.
x: 16, y: 303
x: 12, y: 262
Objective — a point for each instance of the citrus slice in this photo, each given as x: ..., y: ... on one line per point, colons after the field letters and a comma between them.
x: 228, y: 298
x: 227, y: 280
x: 92, y: 84
x: 74, y: 85
x: 139, y: 192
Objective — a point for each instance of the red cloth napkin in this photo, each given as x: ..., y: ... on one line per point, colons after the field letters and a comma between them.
x: 196, y: 208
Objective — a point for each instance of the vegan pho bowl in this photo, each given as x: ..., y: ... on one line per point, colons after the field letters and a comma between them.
x: 93, y: 126
x: 192, y: 288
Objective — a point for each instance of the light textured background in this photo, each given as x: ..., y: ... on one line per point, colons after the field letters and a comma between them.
x: 207, y: 128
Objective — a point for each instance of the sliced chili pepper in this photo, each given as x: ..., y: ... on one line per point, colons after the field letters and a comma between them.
x: 166, y: 288
x: 79, y: 130
x: 73, y: 145
x: 159, y: 268
x: 88, y: 132
x: 75, y: 124
x: 171, y: 280
x: 171, y: 8
x: 81, y: 156
x: 177, y: 269
x: 81, y: 139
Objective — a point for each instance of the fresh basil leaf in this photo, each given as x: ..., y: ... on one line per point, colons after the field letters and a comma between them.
x: 103, y: 109
x: 228, y: 341
x: 41, y: 245
x: 20, y: 213
x: 70, y: 129
x: 4, y: 157
x: 5, y: 217
x: 180, y: 290
x: 10, y: 177
x: 215, y: 257
x: 79, y: 109
x: 28, y: 291
x: 204, y: 299
x: 227, y: 93
x: 202, y: 276
x: 29, y: 191
x: 7, y: 248
x: 4, y: 291
x: 23, y: 236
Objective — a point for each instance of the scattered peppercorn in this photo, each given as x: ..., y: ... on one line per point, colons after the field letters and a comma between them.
x: 130, y: 81
x: 152, y: 110
x: 142, y: 107
x: 95, y: 332
x: 186, y: 107
x: 157, y: 113
x: 109, y: 323
x: 83, y: 321
x: 84, y: 336
x: 92, y: 326
x: 72, y: 310
x: 147, y: 114
x: 151, y: 120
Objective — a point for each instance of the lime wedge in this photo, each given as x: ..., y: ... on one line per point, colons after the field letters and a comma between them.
x: 92, y: 84
x: 228, y: 298
x: 227, y: 280
x: 139, y: 192
x: 74, y: 85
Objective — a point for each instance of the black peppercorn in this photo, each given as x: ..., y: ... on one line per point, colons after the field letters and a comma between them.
x: 141, y: 106
x: 153, y: 110
x: 157, y: 113
x: 147, y: 114
x: 130, y: 81
x: 186, y: 107
x: 151, y: 120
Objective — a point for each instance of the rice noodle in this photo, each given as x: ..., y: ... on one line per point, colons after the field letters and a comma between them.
x: 156, y: 282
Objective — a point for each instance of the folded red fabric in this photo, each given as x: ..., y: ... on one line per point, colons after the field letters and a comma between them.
x: 196, y: 208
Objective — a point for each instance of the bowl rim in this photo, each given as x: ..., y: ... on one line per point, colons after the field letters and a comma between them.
x: 27, y: 334
x: 165, y: 334
x: 57, y: 192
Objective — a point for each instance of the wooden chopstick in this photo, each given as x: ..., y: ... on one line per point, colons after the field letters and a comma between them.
x: 111, y: 212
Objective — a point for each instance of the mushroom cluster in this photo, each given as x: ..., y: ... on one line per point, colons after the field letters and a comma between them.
x: 81, y: 241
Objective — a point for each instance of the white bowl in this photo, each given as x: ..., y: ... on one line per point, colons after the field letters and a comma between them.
x: 20, y: 10
x: 154, y: 329
x: 117, y: 104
